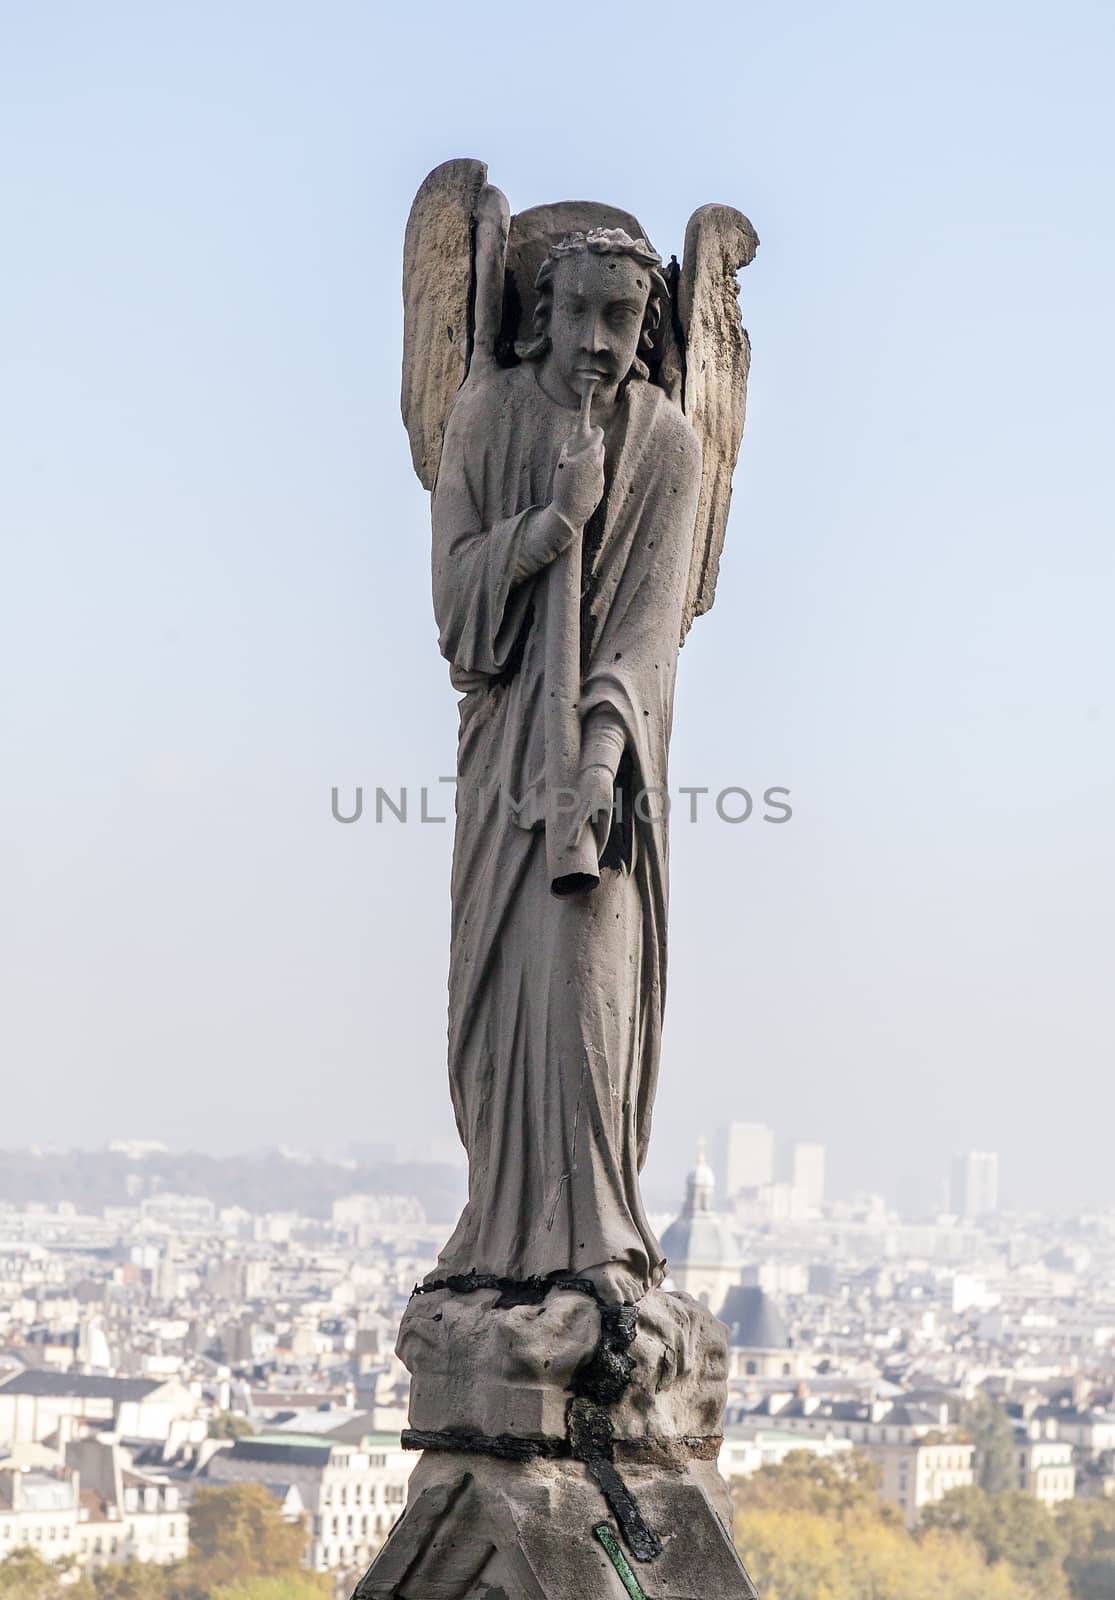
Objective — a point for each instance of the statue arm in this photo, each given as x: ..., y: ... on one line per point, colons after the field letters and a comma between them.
x: 482, y: 568
x: 545, y: 536
x: 603, y: 741
x: 481, y: 598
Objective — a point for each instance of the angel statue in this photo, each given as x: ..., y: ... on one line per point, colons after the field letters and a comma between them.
x: 576, y: 407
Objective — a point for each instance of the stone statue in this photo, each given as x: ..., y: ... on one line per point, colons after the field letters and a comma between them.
x: 576, y: 408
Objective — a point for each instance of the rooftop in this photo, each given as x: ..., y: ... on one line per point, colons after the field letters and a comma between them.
x: 79, y: 1386
x: 754, y: 1321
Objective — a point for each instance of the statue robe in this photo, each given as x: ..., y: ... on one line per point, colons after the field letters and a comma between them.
x: 555, y: 1003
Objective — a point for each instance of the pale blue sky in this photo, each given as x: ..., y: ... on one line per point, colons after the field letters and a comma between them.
x: 216, y: 597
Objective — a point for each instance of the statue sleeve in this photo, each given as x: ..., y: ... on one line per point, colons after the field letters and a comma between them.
x: 481, y: 602
x: 631, y: 672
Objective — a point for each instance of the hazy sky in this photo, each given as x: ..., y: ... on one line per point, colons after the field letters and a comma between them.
x: 215, y: 598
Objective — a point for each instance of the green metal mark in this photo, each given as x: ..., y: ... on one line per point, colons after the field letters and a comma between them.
x: 603, y: 1532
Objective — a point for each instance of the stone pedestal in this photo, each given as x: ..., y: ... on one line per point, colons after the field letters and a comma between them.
x: 569, y: 1448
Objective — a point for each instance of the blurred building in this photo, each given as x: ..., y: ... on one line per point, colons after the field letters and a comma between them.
x: 700, y: 1246
x: 750, y: 1446
x: 1044, y: 1461
x: 353, y: 1488
x: 975, y: 1184
x: 745, y: 1152
x: 759, y: 1340
x: 46, y: 1406
x: 39, y: 1511
x: 920, y: 1471
x: 807, y: 1176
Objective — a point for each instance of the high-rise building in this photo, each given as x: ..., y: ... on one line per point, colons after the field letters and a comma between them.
x: 745, y: 1155
x: 975, y: 1183
x: 807, y: 1174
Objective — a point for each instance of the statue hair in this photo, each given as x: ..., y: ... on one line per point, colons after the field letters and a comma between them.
x: 601, y: 242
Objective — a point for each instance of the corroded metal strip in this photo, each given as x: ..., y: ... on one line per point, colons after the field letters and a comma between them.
x: 514, y: 1447
x: 616, y: 1556
x: 640, y: 1538
x: 512, y: 1291
x: 503, y: 1445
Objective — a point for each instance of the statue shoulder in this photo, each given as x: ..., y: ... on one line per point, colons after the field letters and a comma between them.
x: 484, y: 398
x: 668, y: 425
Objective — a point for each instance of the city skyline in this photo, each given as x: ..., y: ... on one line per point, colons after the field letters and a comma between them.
x: 782, y: 1167
x: 165, y: 1346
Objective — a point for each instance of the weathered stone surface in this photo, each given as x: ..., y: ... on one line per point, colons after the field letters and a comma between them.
x: 493, y: 218
x: 718, y: 242
x: 580, y: 425
x: 472, y: 1528
x: 437, y: 284
x: 570, y: 549
x: 531, y: 235
x: 460, y: 304
x: 679, y: 1386
x: 479, y: 1369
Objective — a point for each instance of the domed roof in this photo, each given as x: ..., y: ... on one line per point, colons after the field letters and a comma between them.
x: 700, y: 1241
x: 702, y: 1176
x: 754, y: 1321
x: 699, y: 1237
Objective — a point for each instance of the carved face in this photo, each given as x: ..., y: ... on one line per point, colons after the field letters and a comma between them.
x: 597, y: 317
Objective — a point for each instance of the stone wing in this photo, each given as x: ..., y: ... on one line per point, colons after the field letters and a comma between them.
x: 456, y: 237
x: 717, y: 355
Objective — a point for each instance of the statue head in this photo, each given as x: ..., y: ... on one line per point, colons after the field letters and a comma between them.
x: 601, y: 295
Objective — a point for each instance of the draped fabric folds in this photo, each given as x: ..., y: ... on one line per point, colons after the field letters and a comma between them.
x: 555, y: 1004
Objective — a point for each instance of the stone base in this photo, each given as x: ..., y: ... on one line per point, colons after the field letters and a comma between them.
x: 477, y: 1528
x: 570, y: 1449
x: 485, y: 1365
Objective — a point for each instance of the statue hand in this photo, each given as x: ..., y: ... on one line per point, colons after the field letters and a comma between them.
x: 596, y: 788
x: 579, y: 476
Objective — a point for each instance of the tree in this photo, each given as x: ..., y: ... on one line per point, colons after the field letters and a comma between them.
x: 804, y: 1555
x: 993, y: 1435
x: 1013, y: 1529
x: 805, y: 1482
x: 230, y: 1425
x: 1088, y: 1528
x: 968, y: 1511
x: 239, y: 1532
x: 817, y: 1530
x: 135, y: 1580
x: 24, y: 1575
x: 280, y: 1586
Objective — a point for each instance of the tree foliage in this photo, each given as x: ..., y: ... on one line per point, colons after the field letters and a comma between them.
x: 993, y: 1435
x: 239, y: 1532
x: 1088, y: 1527
x: 241, y: 1548
x: 136, y: 1580
x: 1012, y: 1528
x: 796, y: 1556
x: 817, y: 1530
x: 231, y: 1425
x: 847, y: 1488
x: 807, y: 1530
x: 24, y: 1575
x: 278, y: 1586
